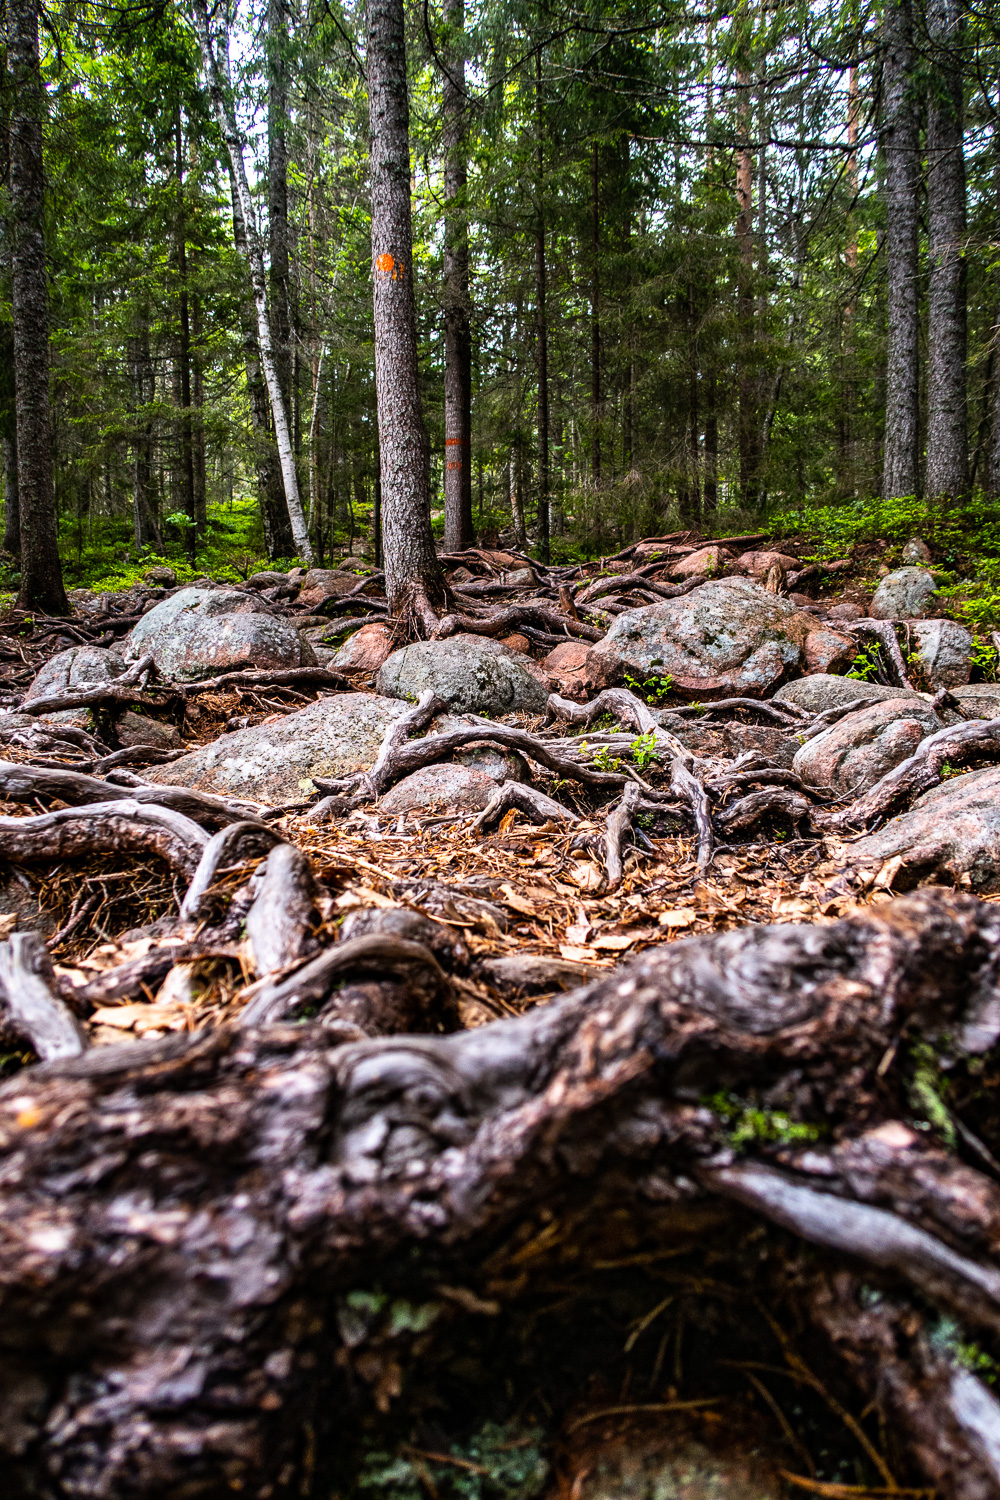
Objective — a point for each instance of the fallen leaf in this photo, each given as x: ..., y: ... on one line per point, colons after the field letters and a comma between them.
x: 579, y: 932
x: 516, y: 900
x: 677, y: 918
x: 576, y: 954
x: 586, y: 876
x: 614, y: 942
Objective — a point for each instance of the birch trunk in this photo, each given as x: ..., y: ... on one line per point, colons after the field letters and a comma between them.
x: 216, y: 65
x: 900, y: 138
x: 947, y: 439
x: 414, y: 585
x: 458, y: 528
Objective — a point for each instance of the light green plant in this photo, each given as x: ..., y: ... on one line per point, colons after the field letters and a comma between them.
x: 644, y: 751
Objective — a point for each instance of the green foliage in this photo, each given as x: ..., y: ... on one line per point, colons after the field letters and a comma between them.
x: 948, y: 1336
x: 643, y: 750
x: 984, y: 659
x: 499, y: 1462
x: 927, y: 1089
x: 748, y: 1123
x: 602, y: 757
x: 866, y: 663
x: 652, y: 689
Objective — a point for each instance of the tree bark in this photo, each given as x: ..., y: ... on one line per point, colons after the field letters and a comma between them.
x: 541, y: 323
x: 900, y: 146
x: 216, y: 64
x: 749, y: 426
x: 184, y: 354
x: 947, y: 430
x: 414, y: 584
x: 595, y: 313
x: 41, y: 572
x: 144, y: 521
x: 270, y: 496
x: 277, y: 196
x: 458, y: 528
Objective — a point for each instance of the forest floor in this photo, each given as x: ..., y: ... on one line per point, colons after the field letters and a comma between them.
x: 594, y: 1382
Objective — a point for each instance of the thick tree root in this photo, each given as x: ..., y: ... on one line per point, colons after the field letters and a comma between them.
x: 181, y: 1221
x: 526, y: 799
x: 31, y: 1006
x: 125, y: 827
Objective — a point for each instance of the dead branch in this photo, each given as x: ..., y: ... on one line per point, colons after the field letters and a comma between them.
x: 23, y: 783
x: 685, y: 785
x: 749, y: 810
x: 30, y: 1002
x: 283, y: 677
x: 507, y: 621
x: 311, y: 984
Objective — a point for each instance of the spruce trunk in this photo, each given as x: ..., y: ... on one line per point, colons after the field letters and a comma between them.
x: 458, y: 528
x: 900, y: 147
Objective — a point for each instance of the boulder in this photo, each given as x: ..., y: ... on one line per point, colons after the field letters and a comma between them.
x: 520, y: 578
x: 944, y: 648
x: 759, y: 564
x: 567, y: 665
x: 161, y: 577
x: 822, y: 690
x: 275, y: 761
x: 365, y: 650
x: 905, y: 594
x: 916, y: 553
x: 440, y: 787
x: 138, y: 729
x: 325, y: 583
x: 862, y: 747
x: 518, y: 643
x: 471, y: 673
x: 79, y: 667
x: 773, y: 746
x: 707, y: 562
x: 845, y: 611
x: 201, y: 633
x: 267, y: 580
x: 979, y: 700
x: 952, y: 830
x: 730, y: 636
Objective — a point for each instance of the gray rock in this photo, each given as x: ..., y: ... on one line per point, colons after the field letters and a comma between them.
x: 437, y: 788
x: 821, y: 691
x: 906, y: 594
x: 201, y: 633
x: 729, y: 636
x: 275, y: 762
x: 944, y: 647
x: 269, y: 579
x: 916, y: 553
x: 472, y: 673
x: 979, y: 700
x: 845, y: 611
x: 862, y: 747
x: 952, y: 830
x: 162, y: 577
x: 140, y: 729
x: 79, y: 667
x: 774, y: 747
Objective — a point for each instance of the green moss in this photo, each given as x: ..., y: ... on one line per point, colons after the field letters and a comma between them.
x: 499, y: 1462
x: 927, y: 1089
x: 748, y: 1122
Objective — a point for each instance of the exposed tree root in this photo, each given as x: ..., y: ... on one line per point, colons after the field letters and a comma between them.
x: 31, y: 1005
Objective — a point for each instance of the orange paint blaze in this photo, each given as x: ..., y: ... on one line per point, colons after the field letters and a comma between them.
x: 385, y: 264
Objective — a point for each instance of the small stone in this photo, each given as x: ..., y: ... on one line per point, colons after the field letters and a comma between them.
x: 944, y: 648
x: 845, y: 611
x: 905, y: 594
x: 161, y: 577
x: 952, y: 830
x: 823, y: 690
x: 916, y: 552
x: 139, y: 729
x: 365, y: 650
x: 707, y: 562
x: 759, y: 564
x: 440, y: 787
x: 567, y: 664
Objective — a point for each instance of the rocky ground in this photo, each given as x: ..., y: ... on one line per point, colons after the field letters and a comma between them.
x: 239, y: 814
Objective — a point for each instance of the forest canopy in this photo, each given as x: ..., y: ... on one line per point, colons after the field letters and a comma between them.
x: 688, y: 232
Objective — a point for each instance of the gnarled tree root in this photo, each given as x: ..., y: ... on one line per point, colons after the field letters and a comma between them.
x: 182, y: 1221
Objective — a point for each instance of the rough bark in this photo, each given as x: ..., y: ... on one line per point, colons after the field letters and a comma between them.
x: 595, y: 313
x: 946, y: 310
x: 184, y: 1220
x: 414, y: 585
x: 145, y: 528
x: 541, y: 323
x: 901, y: 150
x: 183, y: 386
x: 215, y: 59
x: 277, y: 196
x: 41, y: 573
x: 748, y: 423
x: 458, y: 528
x: 11, y: 511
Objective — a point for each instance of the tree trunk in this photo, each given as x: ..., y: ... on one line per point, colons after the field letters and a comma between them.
x: 41, y: 572
x: 458, y: 528
x: 747, y: 383
x: 216, y: 63
x: 541, y: 324
x: 595, y: 312
x: 184, y: 357
x: 947, y: 434
x: 848, y: 388
x: 694, y: 421
x: 516, y: 470
x: 222, y: 1252
x: 11, y: 510
x: 270, y: 496
x: 198, y: 419
x: 414, y: 585
x: 277, y: 196
x: 711, y: 498
x: 144, y: 521
x: 900, y: 146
